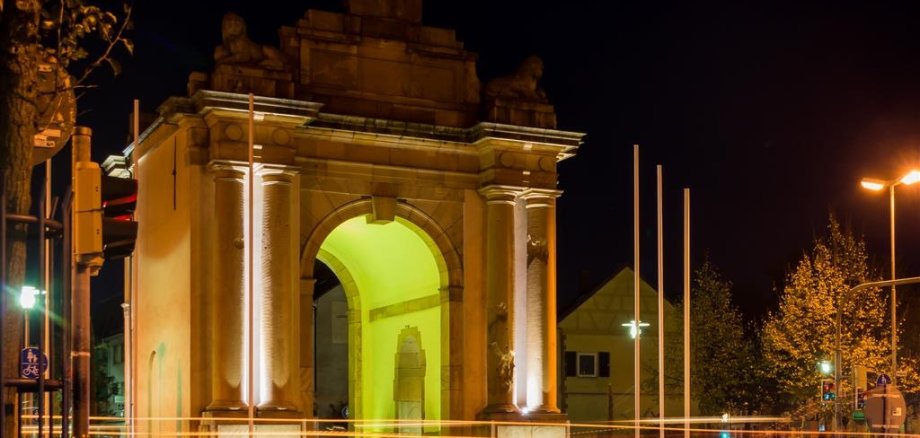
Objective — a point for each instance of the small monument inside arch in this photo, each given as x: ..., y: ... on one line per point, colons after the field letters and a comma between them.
x: 409, y: 380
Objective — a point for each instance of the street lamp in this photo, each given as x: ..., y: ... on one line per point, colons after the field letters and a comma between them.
x: 635, y: 330
x: 878, y: 185
x: 27, y: 297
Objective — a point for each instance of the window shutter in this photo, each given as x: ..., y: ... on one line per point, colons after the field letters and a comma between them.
x: 603, y: 364
x: 571, y: 364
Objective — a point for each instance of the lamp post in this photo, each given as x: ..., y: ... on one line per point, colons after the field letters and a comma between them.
x: 878, y: 185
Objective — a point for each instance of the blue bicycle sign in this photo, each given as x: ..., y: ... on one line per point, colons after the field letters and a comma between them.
x: 32, y: 363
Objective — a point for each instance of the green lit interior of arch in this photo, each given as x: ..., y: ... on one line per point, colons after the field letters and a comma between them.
x: 390, y: 264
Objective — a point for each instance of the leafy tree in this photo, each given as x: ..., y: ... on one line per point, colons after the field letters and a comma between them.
x: 803, y: 330
x: 721, y: 364
x: 35, y: 33
x: 724, y: 372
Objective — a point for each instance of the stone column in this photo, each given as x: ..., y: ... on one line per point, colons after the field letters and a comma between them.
x: 228, y: 299
x: 499, y: 262
x: 541, y: 299
x: 306, y: 345
x: 277, y: 283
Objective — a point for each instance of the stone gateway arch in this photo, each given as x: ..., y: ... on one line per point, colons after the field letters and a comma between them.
x: 379, y: 154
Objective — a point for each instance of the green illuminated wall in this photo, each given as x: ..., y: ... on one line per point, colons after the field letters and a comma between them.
x: 397, y: 279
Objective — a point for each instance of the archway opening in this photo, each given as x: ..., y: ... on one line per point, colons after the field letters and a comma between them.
x: 391, y: 279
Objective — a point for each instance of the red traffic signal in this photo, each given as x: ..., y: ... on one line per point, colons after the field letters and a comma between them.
x: 828, y: 390
x: 119, y: 230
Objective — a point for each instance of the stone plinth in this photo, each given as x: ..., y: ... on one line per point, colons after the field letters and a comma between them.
x: 245, y: 79
x: 521, y: 113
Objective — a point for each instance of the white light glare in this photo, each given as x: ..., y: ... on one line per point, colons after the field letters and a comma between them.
x: 633, y: 331
x: 826, y: 366
x: 27, y: 297
x: 872, y: 184
x: 911, y: 177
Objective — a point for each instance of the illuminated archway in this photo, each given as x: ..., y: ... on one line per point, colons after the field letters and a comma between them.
x: 394, y: 275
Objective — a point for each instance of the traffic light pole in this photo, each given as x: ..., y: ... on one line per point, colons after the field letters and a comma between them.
x: 80, y: 354
x: 88, y: 248
x: 887, y: 283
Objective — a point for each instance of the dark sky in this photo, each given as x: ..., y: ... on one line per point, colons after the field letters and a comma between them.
x: 769, y: 111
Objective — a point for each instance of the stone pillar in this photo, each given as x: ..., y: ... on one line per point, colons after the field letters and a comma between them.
x: 541, y: 300
x: 277, y: 283
x: 228, y: 299
x: 499, y: 262
x: 306, y: 345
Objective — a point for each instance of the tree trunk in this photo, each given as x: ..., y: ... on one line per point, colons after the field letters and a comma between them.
x: 19, y: 57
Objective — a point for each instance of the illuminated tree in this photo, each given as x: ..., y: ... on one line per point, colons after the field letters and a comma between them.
x: 802, y: 332
x: 35, y: 34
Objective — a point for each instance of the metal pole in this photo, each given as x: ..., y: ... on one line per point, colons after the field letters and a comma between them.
x: 67, y: 274
x: 251, y: 371
x: 81, y: 354
x: 894, y: 301
x: 660, y: 309
x: 636, y: 284
x: 3, y: 297
x: 43, y: 287
x: 48, y: 290
x: 686, y: 313
x: 80, y: 318
x: 837, y: 364
x: 131, y: 326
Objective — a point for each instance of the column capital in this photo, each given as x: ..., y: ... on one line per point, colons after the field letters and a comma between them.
x: 496, y: 194
x: 276, y: 172
x: 227, y: 168
x: 541, y: 197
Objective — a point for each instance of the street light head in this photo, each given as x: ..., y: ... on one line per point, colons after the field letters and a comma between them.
x: 911, y: 177
x: 826, y: 367
x: 873, y: 184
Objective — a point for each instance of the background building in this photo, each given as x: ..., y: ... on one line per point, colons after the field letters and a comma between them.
x: 597, y: 360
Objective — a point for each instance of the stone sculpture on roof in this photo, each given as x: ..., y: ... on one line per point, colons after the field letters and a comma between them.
x: 523, y: 84
x: 238, y: 49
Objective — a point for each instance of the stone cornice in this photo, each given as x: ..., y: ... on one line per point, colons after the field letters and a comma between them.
x: 564, y: 142
x: 297, y: 111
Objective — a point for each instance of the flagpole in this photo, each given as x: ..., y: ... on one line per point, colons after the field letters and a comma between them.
x: 636, y: 284
x: 660, y: 308
x: 686, y: 313
x: 250, y: 373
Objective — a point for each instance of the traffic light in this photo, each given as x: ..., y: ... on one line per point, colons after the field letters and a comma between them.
x: 860, y: 398
x: 860, y: 386
x: 827, y: 390
x: 87, y: 211
x: 119, y: 230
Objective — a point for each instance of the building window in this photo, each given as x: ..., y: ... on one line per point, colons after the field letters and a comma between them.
x: 578, y: 364
x: 587, y: 365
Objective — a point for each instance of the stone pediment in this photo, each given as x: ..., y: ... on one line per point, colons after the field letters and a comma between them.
x: 376, y: 60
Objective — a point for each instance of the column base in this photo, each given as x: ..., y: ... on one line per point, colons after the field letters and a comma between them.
x: 278, y: 410
x: 501, y: 412
x: 227, y: 406
x: 546, y: 416
x: 538, y: 430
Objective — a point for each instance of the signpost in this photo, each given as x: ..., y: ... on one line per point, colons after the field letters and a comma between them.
x: 32, y: 363
x: 885, y: 407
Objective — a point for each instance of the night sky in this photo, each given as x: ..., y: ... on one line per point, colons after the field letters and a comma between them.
x: 770, y: 112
